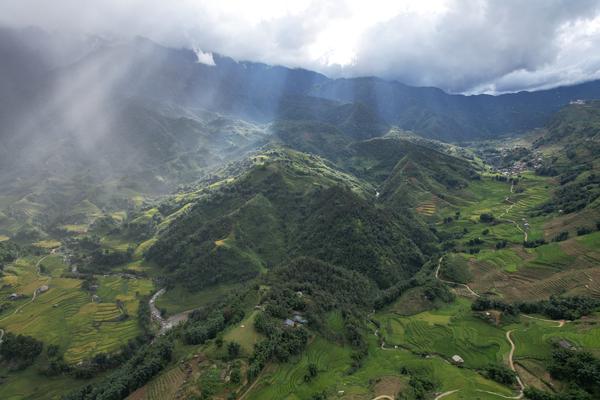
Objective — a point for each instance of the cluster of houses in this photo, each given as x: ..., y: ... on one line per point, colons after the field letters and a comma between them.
x: 516, y: 168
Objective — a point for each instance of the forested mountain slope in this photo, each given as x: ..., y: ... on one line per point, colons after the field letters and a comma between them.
x: 571, y: 147
x: 291, y: 204
x: 405, y: 172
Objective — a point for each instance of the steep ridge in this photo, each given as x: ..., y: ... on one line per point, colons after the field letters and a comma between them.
x: 406, y: 172
x: 290, y: 204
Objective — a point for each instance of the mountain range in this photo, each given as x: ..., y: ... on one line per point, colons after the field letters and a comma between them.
x: 142, y: 69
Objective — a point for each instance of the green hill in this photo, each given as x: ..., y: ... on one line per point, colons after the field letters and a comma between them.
x: 571, y: 146
x: 407, y: 173
x: 286, y: 205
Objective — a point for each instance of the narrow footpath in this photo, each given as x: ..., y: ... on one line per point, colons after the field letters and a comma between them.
x: 437, y: 276
x: 448, y: 393
x: 507, y: 210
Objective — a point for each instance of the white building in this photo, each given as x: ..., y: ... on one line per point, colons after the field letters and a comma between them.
x: 457, y: 359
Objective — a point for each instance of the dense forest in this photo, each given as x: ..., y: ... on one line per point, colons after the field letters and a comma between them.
x: 288, y: 208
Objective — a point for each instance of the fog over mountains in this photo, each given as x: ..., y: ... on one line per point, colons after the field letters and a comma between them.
x: 460, y: 46
x: 80, y: 87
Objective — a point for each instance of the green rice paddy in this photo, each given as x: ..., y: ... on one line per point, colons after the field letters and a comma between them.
x: 65, y: 315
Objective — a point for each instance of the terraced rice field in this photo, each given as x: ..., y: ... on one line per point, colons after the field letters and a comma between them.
x: 505, y: 259
x: 583, y: 256
x: 164, y: 386
x: 116, y: 244
x: 75, y: 228
x: 551, y: 269
x: 47, y: 244
x: 143, y: 247
x: 533, y: 339
x: 285, y: 381
x: 570, y: 222
x: 510, y: 209
x: 30, y: 385
x: 66, y: 316
x: 427, y: 208
x: 515, y: 272
x: 469, y: 338
x: 527, y: 201
x: 591, y: 241
x: 551, y: 256
x: 534, y: 283
x: 477, y: 342
x: 108, y: 337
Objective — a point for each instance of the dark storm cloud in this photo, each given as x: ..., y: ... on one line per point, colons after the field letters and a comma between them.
x: 495, y: 45
x: 458, y: 45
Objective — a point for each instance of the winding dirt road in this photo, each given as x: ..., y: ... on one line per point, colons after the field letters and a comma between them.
x: 448, y: 393
x: 437, y: 272
x: 511, y: 363
x: 560, y: 322
x: 507, y: 210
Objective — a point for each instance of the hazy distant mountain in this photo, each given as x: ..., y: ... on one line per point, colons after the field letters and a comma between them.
x: 262, y: 92
x: 141, y: 68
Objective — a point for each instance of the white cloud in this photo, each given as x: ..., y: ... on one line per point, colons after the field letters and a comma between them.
x: 458, y: 45
x: 204, y: 57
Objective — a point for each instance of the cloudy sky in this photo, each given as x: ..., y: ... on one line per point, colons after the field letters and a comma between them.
x: 468, y: 46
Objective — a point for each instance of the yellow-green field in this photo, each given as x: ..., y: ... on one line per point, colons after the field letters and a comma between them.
x: 47, y: 244
x: 65, y: 315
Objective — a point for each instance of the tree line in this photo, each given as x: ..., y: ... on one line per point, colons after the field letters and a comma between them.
x: 569, y: 308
